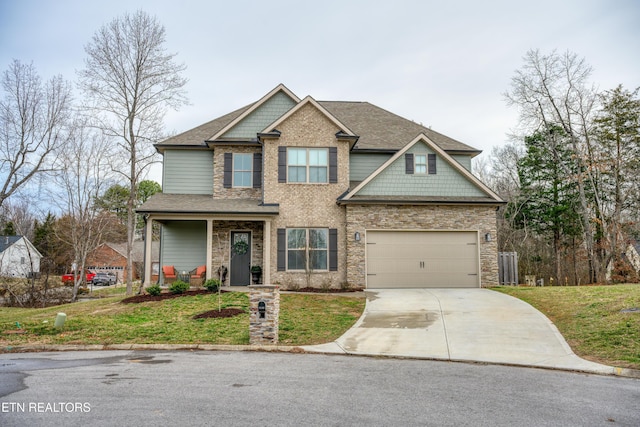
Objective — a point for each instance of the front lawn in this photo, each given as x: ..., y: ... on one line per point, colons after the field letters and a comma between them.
x: 304, y: 319
x: 600, y: 323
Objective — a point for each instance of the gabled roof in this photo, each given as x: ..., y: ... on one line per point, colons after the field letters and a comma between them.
x: 252, y: 108
x: 376, y: 129
x: 344, y: 129
x: 491, y: 196
x: 138, y: 250
x: 6, y: 241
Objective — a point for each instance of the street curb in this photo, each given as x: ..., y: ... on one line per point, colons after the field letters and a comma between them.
x: 617, y: 372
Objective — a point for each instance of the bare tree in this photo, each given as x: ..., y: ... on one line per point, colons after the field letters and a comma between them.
x: 84, y: 176
x: 33, y: 117
x: 131, y: 81
x: 553, y: 90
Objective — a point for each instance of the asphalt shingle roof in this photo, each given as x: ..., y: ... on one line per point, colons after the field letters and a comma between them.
x: 380, y: 129
x: 204, y: 203
x: 377, y: 128
x: 6, y: 241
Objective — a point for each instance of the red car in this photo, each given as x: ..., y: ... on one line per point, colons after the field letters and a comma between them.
x: 68, y: 278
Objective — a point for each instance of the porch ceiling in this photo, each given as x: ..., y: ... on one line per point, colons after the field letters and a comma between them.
x: 162, y: 203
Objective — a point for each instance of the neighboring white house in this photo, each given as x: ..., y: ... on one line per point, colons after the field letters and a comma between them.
x: 18, y: 257
x: 633, y: 254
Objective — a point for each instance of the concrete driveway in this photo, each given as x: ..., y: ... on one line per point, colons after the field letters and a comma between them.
x: 476, y: 325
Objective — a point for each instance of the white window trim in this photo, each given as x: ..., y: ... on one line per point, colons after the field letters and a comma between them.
x: 307, y: 250
x: 426, y: 164
x: 233, y: 171
x: 308, y: 166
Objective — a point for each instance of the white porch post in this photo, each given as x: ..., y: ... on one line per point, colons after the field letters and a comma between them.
x: 147, y: 251
x: 266, y: 253
x: 209, y: 249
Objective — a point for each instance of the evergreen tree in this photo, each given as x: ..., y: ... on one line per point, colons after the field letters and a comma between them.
x: 548, y: 199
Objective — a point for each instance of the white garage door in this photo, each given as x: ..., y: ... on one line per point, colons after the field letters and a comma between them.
x: 422, y: 259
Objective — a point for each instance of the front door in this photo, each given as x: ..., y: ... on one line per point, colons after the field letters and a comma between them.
x: 240, y: 274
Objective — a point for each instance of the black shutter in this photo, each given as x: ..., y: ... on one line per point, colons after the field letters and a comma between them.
x: 333, y: 249
x: 282, y: 249
x: 282, y: 164
x: 228, y: 170
x: 408, y: 161
x: 432, y: 164
x: 333, y: 165
x: 257, y: 170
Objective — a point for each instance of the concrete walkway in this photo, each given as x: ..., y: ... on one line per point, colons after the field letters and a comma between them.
x: 477, y: 325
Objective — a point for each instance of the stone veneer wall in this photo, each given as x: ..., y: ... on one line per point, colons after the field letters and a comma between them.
x: 264, y: 331
x: 361, y: 218
x: 221, y: 251
x: 219, y: 192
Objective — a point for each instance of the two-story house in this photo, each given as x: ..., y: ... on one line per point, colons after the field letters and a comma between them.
x: 324, y: 193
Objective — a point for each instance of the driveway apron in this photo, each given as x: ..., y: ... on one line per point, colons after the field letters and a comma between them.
x: 476, y: 325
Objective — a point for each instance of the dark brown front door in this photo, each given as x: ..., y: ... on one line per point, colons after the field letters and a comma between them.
x: 240, y: 274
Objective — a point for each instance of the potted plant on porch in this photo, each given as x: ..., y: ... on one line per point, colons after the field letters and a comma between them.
x: 256, y: 273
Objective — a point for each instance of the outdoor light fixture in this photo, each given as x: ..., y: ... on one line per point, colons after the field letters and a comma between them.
x: 357, y: 236
x: 487, y: 237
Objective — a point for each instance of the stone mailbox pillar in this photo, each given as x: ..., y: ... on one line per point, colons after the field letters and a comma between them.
x: 264, y: 307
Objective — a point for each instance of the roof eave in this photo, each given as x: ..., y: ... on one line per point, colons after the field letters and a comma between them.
x: 419, y: 202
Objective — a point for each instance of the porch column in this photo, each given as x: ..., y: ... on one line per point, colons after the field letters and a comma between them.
x: 266, y: 253
x: 147, y: 251
x: 209, y: 273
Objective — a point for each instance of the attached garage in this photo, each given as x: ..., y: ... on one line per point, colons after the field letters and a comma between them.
x: 422, y: 259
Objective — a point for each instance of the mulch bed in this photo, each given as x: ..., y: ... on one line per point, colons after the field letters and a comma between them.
x: 146, y: 297
x: 215, y: 314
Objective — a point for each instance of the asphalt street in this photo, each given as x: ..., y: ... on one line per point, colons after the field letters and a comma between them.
x: 199, y: 388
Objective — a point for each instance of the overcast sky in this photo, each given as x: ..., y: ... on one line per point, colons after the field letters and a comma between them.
x: 442, y: 64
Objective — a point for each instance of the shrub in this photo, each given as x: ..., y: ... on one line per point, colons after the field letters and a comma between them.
x: 179, y: 287
x: 212, y: 285
x: 154, y: 290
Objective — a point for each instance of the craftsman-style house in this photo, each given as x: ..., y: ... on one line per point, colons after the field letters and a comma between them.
x: 323, y: 193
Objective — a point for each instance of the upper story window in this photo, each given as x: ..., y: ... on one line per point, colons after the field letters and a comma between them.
x: 242, y: 169
x: 420, y: 165
x: 308, y: 165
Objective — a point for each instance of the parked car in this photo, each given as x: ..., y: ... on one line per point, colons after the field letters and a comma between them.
x: 104, y: 279
x: 68, y: 278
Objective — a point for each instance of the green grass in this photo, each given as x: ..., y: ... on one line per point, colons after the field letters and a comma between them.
x: 591, y: 319
x: 304, y: 319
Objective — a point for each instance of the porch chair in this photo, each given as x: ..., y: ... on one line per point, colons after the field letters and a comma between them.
x: 169, y: 273
x: 197, y: 275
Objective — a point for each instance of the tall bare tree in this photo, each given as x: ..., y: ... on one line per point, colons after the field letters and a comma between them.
x: 130, y: 81
x: 33, y: 117
x: 553, y: 90
x: 84, y: 175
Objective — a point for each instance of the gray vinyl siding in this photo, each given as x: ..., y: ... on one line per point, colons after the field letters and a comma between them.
x: 447, y: 182
x: 259, y: 119
x: 465, y: 161
x: 363, y: 165
x: 184, y: 244
x: 187, y: 172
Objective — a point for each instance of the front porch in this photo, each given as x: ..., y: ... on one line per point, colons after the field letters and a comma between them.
x: 231, y: 234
